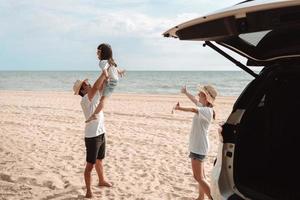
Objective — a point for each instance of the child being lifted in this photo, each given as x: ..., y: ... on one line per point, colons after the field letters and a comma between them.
x: 110, y: 76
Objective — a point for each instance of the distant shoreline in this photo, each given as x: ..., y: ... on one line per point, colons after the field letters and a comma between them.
x: 228, y: 83
x: 237, y: 70
x: 54, y: 92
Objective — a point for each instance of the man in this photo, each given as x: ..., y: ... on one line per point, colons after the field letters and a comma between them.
x: 94, y: 131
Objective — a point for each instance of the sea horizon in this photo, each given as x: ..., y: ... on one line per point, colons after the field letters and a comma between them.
x: 229, y: 70
x: 227, y: 82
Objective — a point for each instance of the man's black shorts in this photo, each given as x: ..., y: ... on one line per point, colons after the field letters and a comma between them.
x: 95, y: 148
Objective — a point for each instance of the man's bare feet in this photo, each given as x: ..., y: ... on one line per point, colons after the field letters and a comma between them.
x: 104, y: 184
x: 93, y: 117
x: 89, y: 194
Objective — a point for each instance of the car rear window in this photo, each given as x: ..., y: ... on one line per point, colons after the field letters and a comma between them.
x: 253, y: 38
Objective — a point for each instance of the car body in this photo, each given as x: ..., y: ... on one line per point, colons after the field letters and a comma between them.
x: 260, y: 141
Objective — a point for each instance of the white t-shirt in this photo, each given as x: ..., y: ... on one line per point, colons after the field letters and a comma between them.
x: 199, y: 142
x: 112, y: 71
x: 94, y: 127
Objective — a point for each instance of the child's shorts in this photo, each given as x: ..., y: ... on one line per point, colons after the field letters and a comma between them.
x: 109, y: 88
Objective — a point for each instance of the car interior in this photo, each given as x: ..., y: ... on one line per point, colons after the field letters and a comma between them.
x: 266, y: 149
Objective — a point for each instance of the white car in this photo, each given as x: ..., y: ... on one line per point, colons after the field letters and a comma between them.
x: 259, y: 153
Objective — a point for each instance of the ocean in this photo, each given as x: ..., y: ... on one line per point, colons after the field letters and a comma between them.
x: 228, y: 83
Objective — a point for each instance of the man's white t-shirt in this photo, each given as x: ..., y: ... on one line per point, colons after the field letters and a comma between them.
x: 94, y: 127
x: 112, y: 71
x: 199, y: 143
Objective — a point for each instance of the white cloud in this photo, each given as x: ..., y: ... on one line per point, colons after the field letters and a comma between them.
x: 78, y: 16
x: 78, y: 24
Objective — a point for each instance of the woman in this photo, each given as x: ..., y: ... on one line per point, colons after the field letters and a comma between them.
x: 199, y: 143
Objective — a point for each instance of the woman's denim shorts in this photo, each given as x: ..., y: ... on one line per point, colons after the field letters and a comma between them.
x: 197, y: 156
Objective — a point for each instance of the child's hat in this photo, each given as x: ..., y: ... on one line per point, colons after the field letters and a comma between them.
x: 210, y: 93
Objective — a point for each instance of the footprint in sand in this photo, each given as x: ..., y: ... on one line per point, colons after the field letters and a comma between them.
x: 68, y: 158
x: 28, y: 180
x: 177, y: 188
x: 67, y: 184
x: 5, y: 177
x: 49, y: 184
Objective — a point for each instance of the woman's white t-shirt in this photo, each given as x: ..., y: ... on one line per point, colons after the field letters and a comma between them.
x: 199, y: 143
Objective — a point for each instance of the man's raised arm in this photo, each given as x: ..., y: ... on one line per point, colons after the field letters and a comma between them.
x: 97, y: 86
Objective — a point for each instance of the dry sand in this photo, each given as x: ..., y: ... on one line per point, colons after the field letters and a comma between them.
x: 42, y: 152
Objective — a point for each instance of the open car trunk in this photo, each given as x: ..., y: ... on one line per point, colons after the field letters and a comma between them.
x: 262, y: 31
x: 266, y: 164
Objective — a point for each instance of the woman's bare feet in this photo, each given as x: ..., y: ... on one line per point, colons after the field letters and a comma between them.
x: 104, y: 184
x: 89, y: 194
x: 201, y: 195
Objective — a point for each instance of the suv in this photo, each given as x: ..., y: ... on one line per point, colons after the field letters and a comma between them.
x: 258, y: 155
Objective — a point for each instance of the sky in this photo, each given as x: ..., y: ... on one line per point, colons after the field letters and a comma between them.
x: 51, y: 35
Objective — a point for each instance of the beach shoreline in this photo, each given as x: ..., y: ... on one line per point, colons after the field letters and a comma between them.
x: 43, y: 154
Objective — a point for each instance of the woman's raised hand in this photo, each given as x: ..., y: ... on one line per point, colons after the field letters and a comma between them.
x: 177, y: 106
x: 183, y: 89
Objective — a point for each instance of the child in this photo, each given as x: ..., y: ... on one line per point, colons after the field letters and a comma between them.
x: 199, y: 143
x: 110, y: 73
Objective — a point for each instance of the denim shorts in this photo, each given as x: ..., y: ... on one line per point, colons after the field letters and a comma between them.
x: 109, y: 88
x: 197, y: 156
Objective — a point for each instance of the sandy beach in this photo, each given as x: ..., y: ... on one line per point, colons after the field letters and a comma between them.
x: 42, y: 152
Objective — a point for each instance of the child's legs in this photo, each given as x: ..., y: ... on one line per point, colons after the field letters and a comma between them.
x: 198, y: 172
x: 103, y: 86
x: 203, y: 171
x: 109, y: 88
x: 100, y: 105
